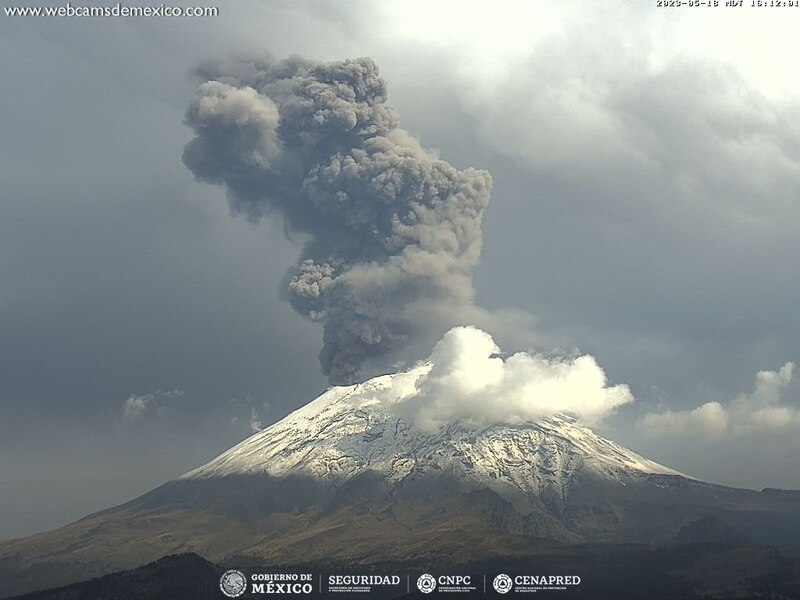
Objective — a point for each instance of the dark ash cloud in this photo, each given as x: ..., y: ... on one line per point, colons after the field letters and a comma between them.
x: 393, y: 230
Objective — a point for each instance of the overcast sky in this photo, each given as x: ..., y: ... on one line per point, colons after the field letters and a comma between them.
x: 646, y: 210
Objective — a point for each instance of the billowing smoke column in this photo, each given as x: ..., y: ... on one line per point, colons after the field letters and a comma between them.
x: 394, y: 231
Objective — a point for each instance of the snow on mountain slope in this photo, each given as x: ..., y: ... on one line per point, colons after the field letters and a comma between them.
x: 349, y: 430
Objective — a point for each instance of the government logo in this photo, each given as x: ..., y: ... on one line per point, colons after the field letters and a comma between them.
x: 502, y: 583
x: 233, y: 583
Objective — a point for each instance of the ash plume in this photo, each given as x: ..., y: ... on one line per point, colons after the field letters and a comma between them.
x: 393, y: 231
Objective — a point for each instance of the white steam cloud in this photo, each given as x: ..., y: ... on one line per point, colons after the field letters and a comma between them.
x: 137, y: 408
x: 761, y: 411
x: 250, y: 412
x: 470, y: 382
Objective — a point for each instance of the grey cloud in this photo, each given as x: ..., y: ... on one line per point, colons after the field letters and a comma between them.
x: 136, y: 408
x: 655, y: 202
x: 393, y: 230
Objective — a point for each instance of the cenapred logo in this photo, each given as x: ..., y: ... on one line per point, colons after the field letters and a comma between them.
x: 233, y: 583
x: 426, y: 583
x: 502, y: 583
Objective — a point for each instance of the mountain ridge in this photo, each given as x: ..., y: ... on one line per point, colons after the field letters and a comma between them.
x: 350, y: 479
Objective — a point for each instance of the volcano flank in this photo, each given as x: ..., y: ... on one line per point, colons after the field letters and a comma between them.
x: 356, y: 477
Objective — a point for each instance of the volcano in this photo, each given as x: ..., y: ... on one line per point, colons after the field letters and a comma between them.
x: 346, y: 480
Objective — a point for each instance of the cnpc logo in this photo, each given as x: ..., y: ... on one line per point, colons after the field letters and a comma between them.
x: 428, y: 583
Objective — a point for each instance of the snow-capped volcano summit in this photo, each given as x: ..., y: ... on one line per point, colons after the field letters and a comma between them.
x: 491, y: 422
x: 464, y: 458
x: 348, y: 431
